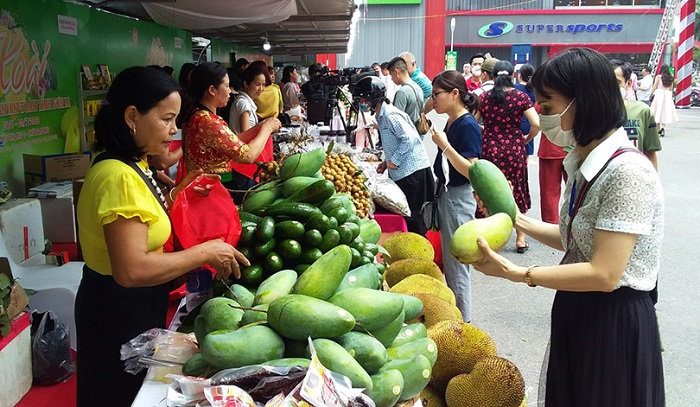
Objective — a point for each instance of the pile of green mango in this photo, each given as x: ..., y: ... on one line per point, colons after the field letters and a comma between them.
x: 291, y: 222
x: 357, y: 329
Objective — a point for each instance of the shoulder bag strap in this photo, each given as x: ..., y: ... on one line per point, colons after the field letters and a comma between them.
x: 574, y: 207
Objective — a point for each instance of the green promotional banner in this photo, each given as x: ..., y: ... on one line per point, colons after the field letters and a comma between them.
x: 43, y: 46
x: 451, y: 60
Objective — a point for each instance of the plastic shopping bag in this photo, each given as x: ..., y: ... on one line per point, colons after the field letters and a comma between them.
x: 197, y: 219
x: 51, y: 357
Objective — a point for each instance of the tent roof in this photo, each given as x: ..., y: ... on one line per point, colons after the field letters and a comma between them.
x: 291, y: 26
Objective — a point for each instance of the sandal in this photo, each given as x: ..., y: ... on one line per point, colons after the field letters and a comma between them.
x: 522, y: 249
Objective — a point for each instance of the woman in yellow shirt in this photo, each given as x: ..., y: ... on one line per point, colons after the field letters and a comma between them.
x: 123, y: 226
x: 270, y: 101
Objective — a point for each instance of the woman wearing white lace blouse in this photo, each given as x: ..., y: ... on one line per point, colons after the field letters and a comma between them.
x: 604, y: 346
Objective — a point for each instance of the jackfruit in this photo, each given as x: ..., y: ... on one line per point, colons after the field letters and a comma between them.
x: 494, y: 382
x: 401, y: 269
x: 460, y: 346
x: 404, y: 245
x: 435, y: 310
x: 430, y: 397
x: 420, y: 283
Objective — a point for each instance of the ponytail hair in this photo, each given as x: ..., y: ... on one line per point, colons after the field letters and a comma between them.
x: 452, y: 79
x: 503, y: 74
x: 526, y: 71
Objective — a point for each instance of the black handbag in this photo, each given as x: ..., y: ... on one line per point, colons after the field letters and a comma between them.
x: 429, y: 210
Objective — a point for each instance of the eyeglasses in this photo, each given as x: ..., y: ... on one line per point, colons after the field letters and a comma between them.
x: 434, y: 95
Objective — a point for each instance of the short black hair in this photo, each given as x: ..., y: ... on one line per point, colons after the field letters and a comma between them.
x: 375, y: 64
x: 384, y: 65
x: 476, y: 56
x: 625, y: 67
x: 398, y: 63
x: 112, y: 134
x: 646, y: 68
x: 585, y: 75
x: 241, y: 64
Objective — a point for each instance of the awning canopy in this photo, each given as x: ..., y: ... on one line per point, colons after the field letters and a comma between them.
x: 291, y: 26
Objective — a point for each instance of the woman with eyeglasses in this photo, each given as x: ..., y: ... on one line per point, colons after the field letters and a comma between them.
x: 458, y: 149
x: 209, y: 142
x: 503, y: 109
x: 604, y: 347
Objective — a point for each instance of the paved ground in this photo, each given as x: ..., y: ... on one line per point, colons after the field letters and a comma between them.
x: 517, y: 317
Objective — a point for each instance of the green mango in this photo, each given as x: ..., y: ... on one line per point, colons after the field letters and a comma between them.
x: 295, y: 184
x: 416, y: 374
x: 422, y: 346
x: 197, y: 366
x: 218, y: 314
x: 240, y: 294
x: 323, y: 277
x: 297, y: 316
x: 370, y: 231
x: 369, y: 352
x: 363, y: 276
x: 387, y: 334
x: 257, y: 200
x: 496, y: 229
x: 493, y: 188
x: 289, y: 362
x: 409, y: 333
x: 337, y: 359
x: 412, y: 307
x: 372, y: 309
x: 247, y: 346
x: 250, y: 316
x: 275, y: 286
x: 387, y: 387
x: 200, y: 328
x: 302, y: 164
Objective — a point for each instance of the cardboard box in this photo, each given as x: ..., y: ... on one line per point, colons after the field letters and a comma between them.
x: 15, y: 362
x: 39, y: 169
x: 22, y: 228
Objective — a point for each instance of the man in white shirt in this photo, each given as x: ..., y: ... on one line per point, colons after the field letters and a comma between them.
x: 388, y: 82
x: 644, y: 86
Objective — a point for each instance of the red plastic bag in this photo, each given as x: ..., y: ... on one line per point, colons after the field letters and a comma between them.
x: 197, y: 219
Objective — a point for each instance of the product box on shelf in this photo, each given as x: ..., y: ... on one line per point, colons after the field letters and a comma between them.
x: 57, y: 210
x: 39, y: 169
x: 22, y: 228
x: 15, y: 362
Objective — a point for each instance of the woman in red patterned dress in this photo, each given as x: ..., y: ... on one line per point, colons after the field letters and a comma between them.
x: 502, y: 109
x: 209, y: 143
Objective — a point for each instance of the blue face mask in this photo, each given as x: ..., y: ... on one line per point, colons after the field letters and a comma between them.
x: 365, y: 107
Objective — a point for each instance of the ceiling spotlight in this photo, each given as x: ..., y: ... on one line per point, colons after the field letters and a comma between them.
x: 266, y: 44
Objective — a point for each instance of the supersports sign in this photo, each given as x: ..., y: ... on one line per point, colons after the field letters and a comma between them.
x: 499, y: 28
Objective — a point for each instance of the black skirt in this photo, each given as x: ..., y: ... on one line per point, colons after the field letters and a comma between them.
x: 107, y: 316
x: 605, y: 351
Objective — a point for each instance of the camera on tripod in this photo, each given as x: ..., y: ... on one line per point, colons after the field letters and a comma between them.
x: 324, y: 90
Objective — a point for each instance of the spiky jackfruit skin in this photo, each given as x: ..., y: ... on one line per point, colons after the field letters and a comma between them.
x: 494, y: 382
x: 404, y: 268
x: 420, y: 283
x: 435, y: 310
x: 460, y: 346
x: 405, y: 245
x: 430, y: 397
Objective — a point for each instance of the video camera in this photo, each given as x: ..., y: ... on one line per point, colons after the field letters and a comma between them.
x: 333, y: 78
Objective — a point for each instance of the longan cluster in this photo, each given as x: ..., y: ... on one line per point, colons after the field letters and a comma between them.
x: 344, y: 174
x: 268, y: 171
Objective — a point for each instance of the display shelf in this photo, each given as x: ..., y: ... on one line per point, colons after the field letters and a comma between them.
x: 86, y: 122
